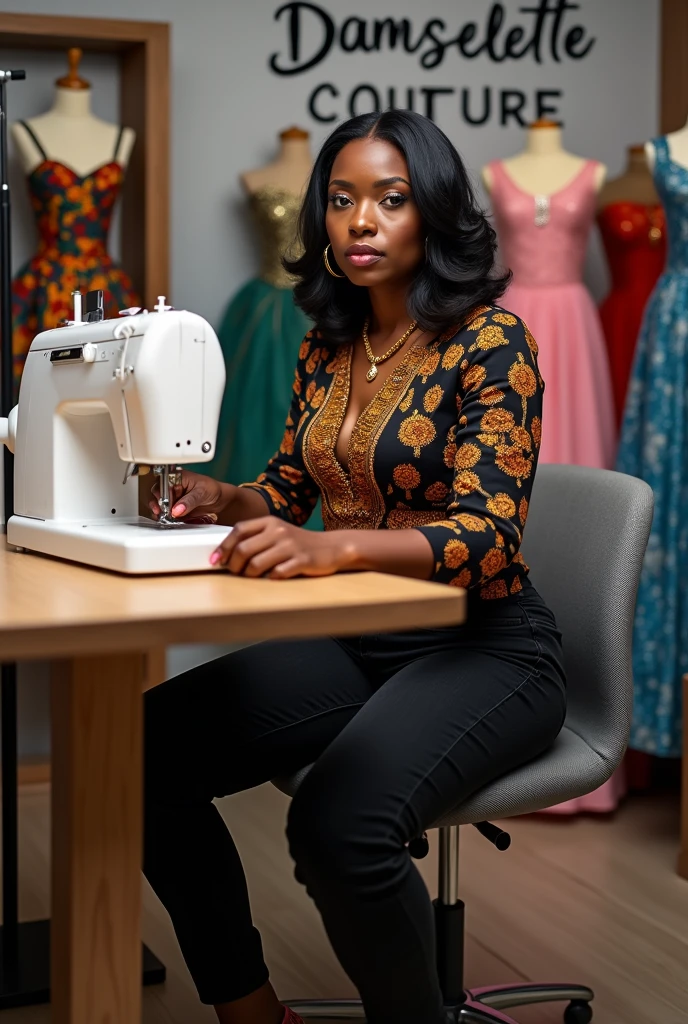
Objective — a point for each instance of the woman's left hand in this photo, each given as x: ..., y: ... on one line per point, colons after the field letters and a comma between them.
x: 270, y: 547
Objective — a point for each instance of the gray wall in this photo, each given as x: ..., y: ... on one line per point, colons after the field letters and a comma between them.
x: 227, y: 108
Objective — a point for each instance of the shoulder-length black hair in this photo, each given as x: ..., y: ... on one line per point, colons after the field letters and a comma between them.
x: 459, y: 272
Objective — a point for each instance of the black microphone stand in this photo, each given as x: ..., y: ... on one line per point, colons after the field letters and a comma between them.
x: 9, y: 946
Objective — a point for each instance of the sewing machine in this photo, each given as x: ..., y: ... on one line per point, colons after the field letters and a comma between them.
x: 100, y: 402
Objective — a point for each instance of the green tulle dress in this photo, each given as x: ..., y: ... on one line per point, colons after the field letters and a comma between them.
x: 260, y: 334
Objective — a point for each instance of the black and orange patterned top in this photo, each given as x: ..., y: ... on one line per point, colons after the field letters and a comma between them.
x: 448, y: 446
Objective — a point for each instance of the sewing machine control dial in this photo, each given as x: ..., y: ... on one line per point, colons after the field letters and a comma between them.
x: 90, y: 352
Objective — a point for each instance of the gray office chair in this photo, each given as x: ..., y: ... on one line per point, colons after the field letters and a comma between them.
x: 585, y: 542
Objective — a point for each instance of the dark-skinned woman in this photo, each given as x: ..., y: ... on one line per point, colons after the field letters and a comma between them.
x: 416, y: 417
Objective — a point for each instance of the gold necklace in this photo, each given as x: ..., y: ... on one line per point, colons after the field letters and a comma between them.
x: 373, y: 359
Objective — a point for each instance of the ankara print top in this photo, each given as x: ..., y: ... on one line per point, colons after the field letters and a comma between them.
x: 448, y: 446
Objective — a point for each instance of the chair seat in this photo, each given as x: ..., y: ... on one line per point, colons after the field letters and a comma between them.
x: 570, y: 768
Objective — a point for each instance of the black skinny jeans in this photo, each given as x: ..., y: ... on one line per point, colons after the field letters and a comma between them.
x: 401, y: 727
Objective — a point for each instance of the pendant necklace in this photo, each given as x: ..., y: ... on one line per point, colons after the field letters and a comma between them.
x: 376, y: 360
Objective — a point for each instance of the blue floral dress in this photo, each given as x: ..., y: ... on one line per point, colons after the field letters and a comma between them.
x: 654, y: 446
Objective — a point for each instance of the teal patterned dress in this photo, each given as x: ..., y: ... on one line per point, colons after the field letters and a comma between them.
x: 654, y: 447
x: 260, y: 335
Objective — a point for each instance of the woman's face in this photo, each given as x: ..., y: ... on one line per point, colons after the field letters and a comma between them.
x: 373, y: 223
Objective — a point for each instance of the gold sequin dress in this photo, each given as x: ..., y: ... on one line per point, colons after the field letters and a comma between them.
x: 260, y: 336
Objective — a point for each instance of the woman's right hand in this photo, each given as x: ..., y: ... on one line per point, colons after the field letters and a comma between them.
x: 196, y: 497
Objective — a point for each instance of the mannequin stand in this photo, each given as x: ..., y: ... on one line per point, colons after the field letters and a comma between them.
x: 25, y: 947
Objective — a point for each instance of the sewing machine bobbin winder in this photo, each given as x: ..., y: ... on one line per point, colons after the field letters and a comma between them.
x: 100, y: 401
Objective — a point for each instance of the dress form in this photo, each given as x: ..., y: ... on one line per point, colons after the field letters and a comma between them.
x: 262, y: 328
x: 635, y: 185
x: 291, y: 168
x: 652, y: 447
x: 69, y: 132
x: 544, y: 201
x: 74, y: 165
x: 678, y: 148
x: 633, y: 229
x: 544, y: 167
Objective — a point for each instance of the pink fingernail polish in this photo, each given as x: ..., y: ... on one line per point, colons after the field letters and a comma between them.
x: 215, y: 558
x: 178, y: 510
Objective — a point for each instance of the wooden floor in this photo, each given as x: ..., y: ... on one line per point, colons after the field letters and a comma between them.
x: 586, y: 900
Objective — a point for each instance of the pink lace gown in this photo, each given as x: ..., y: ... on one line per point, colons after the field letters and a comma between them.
x: 543, y: 240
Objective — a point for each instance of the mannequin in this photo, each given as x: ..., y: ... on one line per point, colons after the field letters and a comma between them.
x: 69, y: 132
x: 74, y: 165
x: 635, y: 185
x: 544, y: 167
x: 653, y: 447
x: 633, y: 230
x: 262, y: 329
x: 544, y: 202
x: 678, y: 148
x: 290, y: 169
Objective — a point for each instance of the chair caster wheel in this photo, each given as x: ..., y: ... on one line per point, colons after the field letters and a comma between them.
x: 578, y: 1013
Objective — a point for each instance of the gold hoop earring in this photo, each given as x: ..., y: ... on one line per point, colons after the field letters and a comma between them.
x: 327, y: 263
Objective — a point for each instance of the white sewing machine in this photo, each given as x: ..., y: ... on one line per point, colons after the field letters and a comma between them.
x: 99, y: 399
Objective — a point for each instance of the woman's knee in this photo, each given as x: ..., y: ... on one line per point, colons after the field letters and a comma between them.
x: 343, y: 842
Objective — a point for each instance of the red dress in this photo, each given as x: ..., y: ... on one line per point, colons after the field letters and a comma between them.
x: 634, y: 237
x: 73, y: 214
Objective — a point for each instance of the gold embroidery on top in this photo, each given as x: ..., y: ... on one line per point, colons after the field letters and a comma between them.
x: 467, y: 456
x: 353, y: 500
x: 491, y: 396
x: 436, y: 492
x: 429, y: 365
x: 494, y: 590
x: 406, y: 518
x: 416, y: 432
x: 532, y: 343
x: 536, y: 430
x: 406, y: 404
x: 489, y: 337
x: 462, y: 580
x: 313, y: 360
x: 502, y: 505
x: 475, y: 313
x: 476, y: 324
x: 452, y: 356
x: 407, y: 478
x: 505, y: 318
x: 433, y: 397
x: 455, y: 553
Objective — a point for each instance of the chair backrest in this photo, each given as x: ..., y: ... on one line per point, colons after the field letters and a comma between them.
x: 584, y: 541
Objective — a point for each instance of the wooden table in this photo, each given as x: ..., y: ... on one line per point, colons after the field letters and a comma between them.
x: 98, y: 629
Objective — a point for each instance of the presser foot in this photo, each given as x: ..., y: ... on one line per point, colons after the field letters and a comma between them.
x: 165, y: 521
x: 169, y: 476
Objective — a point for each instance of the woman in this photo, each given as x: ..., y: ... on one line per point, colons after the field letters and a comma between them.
x: 416, y: 415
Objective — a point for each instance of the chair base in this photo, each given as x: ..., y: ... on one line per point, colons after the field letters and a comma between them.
x: 480, y: 1006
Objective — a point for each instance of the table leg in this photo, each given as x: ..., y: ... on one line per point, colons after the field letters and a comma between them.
x: 96, y: 839
x: 683, y: 854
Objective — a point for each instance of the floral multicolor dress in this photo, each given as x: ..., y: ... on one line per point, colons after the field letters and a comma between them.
x: 73, y: 215
x: 448, y: 445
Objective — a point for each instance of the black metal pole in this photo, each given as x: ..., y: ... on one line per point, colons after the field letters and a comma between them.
x: 8, y: 676
x: 6, y: 362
